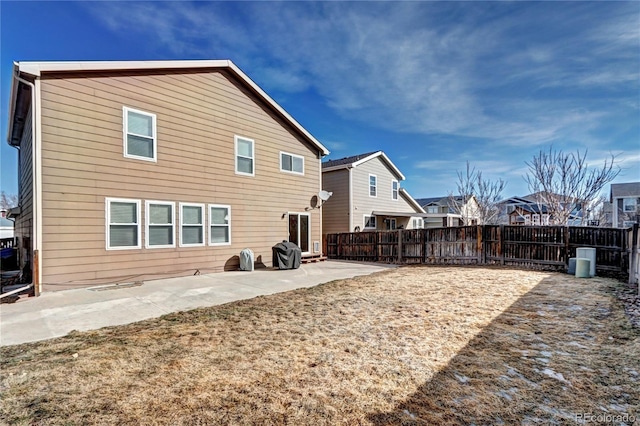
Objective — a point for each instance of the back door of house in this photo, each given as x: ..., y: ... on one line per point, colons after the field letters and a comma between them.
x: 300, y: 230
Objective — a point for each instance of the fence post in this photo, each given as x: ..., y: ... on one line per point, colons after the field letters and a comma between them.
x: 633, y: 256
x: 567, y: 237
x: 423, y: 233
x: 400, y: 246
x: 479, y: 245
x: 500, y: 244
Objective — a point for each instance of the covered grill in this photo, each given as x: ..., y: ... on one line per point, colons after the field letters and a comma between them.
x: 286, y: 255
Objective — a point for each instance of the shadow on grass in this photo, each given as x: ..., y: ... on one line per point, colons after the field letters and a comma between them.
x: 563, y: 350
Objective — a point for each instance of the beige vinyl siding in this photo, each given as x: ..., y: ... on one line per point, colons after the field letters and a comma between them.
x: 24, y: 222
x: 363, y: 204
x: 335, y: 212
x: 198, y: 115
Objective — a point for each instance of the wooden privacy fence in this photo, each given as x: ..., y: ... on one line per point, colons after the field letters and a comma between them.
x: 536, y: 247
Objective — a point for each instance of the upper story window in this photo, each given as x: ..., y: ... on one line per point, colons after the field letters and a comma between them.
x: 140, y: 140
x: 291, y: 163
x: 394, y: 189
x: 219, y: 225
x: 160, y: 230
x: 123, y: 224
x: 245, y: 158
x: 629, y: 204
x: 191, y: 225
x: 373, y: 186
x: 432, y: 209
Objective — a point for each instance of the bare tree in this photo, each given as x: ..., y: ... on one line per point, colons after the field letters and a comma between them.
x: 8, y: 201
x: 598, y: 212
x: 562, y: 181
x: 486, y: 193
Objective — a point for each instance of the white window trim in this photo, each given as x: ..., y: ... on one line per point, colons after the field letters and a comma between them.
x: 308, y: 230
x: 147, y: 225
x: 375, y: 186
x: 629, y: 202
x: 291, y: 171
x: 107, y: 204
x: 125, y: 126
x: 228, y: 207
x: 396, y: 191
x: 204, y: 235
x: 253, y: 155
x: 364, y: 221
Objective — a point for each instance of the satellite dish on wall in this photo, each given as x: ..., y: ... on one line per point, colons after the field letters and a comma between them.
x: 324, y: 195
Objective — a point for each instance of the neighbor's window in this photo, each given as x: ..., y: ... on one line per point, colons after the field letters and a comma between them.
x: 291, y: 163
x: 191, y: 224
x: 219, y: 225
x: 373, y: 186
x: 432, y: 209
x: 245, y: 160
x: 369, y: 222
x: 123, y: 224
x: 160, y: 230
x: 139, y: 135
x: 629, y: 204
x: 394, y: 189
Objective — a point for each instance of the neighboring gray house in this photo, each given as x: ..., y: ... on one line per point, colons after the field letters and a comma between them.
x: 625, y: 200
x: 440, y: 212
x: 367, y: 196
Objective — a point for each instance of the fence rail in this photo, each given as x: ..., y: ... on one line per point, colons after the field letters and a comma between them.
x: 536, y: 247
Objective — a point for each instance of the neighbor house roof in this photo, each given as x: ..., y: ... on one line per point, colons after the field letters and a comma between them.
x: 630, y: 189
x: 356, y: 160
x: 36, y: 69
x: 411, y: 200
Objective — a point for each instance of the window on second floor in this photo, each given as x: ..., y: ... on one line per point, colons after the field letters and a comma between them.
x: 291, y: 163
x: 394, y: 189
x: 629, y: 204
x: 139, y: 135
x: 373, y: 186
x: 432, y: 209
x: 245, y: 158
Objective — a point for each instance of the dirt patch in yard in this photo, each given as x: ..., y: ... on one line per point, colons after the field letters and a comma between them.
x: 414, y: 345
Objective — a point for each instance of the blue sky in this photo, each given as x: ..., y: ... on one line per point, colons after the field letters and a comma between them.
x: 433, y: 84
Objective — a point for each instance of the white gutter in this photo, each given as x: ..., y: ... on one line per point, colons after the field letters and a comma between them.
x: 36, y: 173
x: 350, y: 199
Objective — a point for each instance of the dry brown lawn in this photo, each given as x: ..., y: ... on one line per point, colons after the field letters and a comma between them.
x: 415, y: 345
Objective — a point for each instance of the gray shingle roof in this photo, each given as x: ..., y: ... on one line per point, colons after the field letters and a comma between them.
x: 346, y: 160
x: 625, y: 190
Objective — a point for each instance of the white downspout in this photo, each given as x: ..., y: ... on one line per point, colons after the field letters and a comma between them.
x: 350, y: 199
x: 36, y: 172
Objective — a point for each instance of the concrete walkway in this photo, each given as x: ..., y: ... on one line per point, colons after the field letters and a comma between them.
x: 55, y: 314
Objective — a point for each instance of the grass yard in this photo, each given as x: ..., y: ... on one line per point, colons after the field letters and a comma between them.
x: 413, y: 345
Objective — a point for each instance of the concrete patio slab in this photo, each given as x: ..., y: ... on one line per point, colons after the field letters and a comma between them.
x: 55, y: 314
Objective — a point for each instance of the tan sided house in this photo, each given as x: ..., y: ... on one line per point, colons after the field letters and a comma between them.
x: 367, y: 196
x: 138, y: 170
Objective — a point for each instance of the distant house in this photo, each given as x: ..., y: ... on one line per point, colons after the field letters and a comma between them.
x: 440, y: 211
x: 367, y: 195
x: 625, y: 200
x: 136, y: 170
x: 530, y: 211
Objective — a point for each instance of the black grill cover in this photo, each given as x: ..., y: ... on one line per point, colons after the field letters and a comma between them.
x: 286, y: 255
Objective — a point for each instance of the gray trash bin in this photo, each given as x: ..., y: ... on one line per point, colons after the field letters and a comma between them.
x: 286, y: 255
x: 246, y: 260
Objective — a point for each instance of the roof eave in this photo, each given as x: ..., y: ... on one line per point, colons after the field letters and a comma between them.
x: 37, y: 68
x: 411, y: 200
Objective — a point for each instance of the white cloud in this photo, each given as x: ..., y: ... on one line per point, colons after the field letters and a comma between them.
x: 514, y: 78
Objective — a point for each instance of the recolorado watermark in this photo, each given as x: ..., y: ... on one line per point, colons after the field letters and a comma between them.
x: 605, y: 418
